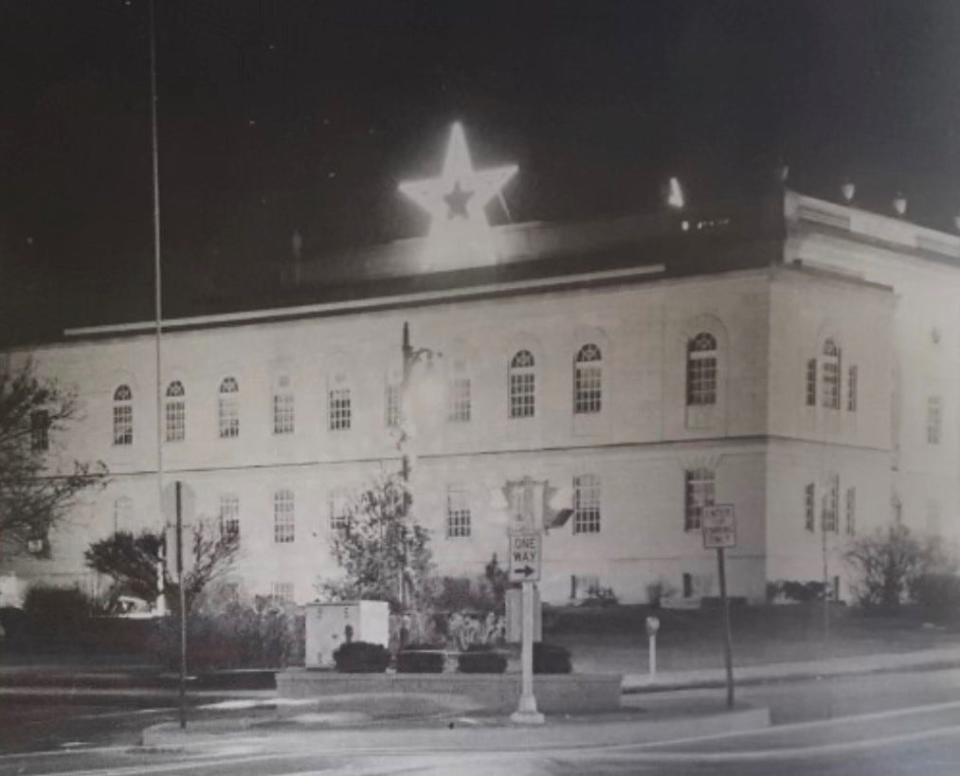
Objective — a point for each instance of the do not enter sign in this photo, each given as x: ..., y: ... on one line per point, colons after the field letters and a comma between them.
x: 525, y: 557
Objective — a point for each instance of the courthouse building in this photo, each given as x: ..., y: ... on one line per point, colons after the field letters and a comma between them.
x: 794, y: 357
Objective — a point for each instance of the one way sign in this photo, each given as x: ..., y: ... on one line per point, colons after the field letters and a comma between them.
x: 525, y: 557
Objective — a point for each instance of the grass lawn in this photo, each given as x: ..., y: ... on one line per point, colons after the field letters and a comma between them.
x: 614, y: 638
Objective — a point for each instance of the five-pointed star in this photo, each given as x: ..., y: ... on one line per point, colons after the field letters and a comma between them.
x: 460, y: 193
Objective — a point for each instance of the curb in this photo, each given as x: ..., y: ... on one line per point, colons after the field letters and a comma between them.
x: 634, y: 684
x: 555, y: 734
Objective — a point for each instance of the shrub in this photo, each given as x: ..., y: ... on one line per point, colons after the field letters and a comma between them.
x: 415, y: 659
x: 361, y: 657
x: 791, y: 590
x: 58, y: 618
x: 14, y: 624
x: 479, y: 659
x: 551, y: 659
x: 938, y: 595
x: 237, y: 634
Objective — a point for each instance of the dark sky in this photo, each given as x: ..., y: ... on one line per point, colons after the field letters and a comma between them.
x: 284, y: 114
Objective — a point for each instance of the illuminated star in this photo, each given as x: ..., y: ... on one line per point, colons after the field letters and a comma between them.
x: 456, y: 200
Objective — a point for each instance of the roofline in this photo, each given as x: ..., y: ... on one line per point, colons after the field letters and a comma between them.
x: 371, y: 303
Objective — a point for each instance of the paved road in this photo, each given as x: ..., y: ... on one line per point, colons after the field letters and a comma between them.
x: 880, y: 741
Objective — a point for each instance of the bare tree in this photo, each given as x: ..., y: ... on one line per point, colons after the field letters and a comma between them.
x: 380, y: 547
x: 133, y: 562
x: 34, y: 495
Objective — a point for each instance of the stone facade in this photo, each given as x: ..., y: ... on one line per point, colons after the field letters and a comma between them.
x: 870, y: 303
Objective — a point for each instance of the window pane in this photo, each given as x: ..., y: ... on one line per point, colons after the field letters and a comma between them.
x: 283, y: 413
x: 230, y: 515
x: 586, y: 504
x: 522, y: 386
x: 459, y: 409
x: 458, y: 512
x: 283, y: 517
x: 339, y: 409
x: 698, y: 493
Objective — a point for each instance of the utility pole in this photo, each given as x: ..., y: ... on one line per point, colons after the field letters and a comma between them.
x: 157, y: 278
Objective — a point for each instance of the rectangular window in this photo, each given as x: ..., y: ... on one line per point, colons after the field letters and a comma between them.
x: 175, y: 417
x: 831, y: 383
x: 458, y: 512
x: 339, y: 510
x: 809, y: 507
x: 522, y: 401
x: 230, y: 515
x: 586, y: 504
x: 40, y: 430
x: 393, y: 405
x: 851, y: 511
x: 228, y: 416
x: 339, y: 409
x: 934, y: 419
x: 831, y: 506
x: 587, y: 389
x: 284, y: 521
x: 283, y: 413
x: 122, y: 424
x: 852, y: 389
x: 282, y: 592
x: 459, y: 408
x: 698, y: 493
x: 812, y: 382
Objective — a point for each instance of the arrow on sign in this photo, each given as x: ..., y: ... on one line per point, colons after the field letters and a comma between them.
x: 525, y: 570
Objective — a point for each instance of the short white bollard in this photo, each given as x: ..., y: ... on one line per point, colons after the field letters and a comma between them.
x: 653, y: 625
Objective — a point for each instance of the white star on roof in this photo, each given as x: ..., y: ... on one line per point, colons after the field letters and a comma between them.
x: 456, y: 200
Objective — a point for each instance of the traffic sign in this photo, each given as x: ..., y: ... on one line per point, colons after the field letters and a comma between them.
x: 525, y: 555
x: 719, y: 523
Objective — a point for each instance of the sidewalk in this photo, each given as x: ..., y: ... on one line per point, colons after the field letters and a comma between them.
x: 947, y: 657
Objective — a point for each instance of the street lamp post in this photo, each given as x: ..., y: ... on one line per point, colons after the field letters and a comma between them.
x: 411, y: 356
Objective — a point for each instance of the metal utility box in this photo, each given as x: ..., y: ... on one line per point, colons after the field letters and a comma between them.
x: 330, y: 625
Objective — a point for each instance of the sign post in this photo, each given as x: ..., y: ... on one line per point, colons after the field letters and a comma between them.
x: 178, y: 503
x: 719, y: 532
x: 525, y: 557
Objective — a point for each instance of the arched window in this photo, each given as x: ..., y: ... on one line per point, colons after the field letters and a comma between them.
x: 283, y: 406
x: 284, y: 517
x: 522, y: 385
x: 123, y: 415
x: 175, y: 412
x: 702, y: 370
x: 588, y: 380
x: 830, y: 375
x: 458, y: 392
x: 228, y: 408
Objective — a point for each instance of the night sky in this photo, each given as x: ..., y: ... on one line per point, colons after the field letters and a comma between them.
x: 278, y: 115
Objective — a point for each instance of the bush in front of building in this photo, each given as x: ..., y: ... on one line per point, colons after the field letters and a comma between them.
x: 938, y: 596
x: 361, y: 657
x: 233, y: 632
x: 551, y: 659
x: 481, y: 659
x: 58, y: 619
x: 421, y: 659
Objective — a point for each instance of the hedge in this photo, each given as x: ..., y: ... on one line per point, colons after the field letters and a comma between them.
x: 481, y: 660
x: 361, y: 657
x: 551, y: 659
x: 416, y: 659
